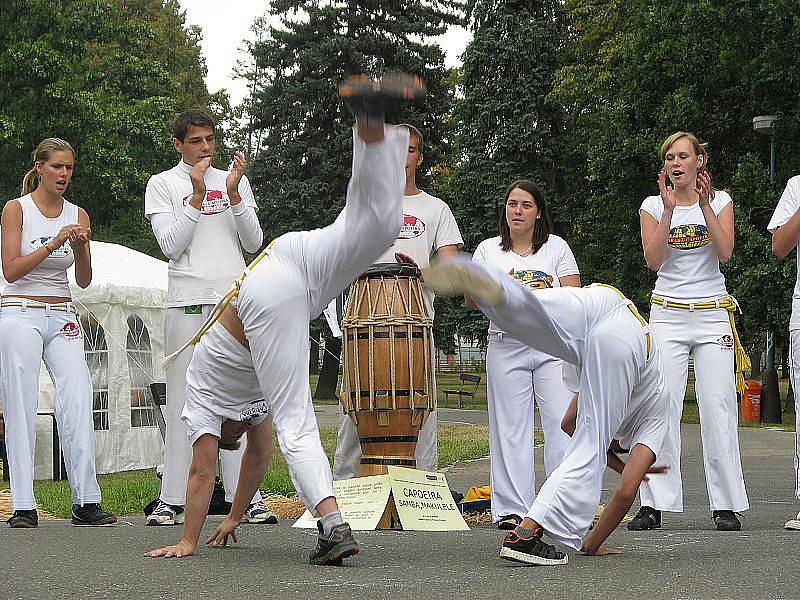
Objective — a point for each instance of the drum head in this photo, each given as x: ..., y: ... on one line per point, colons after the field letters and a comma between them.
x: 391, y: 270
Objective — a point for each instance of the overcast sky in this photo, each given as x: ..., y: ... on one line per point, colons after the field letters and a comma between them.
x: 226, y: 25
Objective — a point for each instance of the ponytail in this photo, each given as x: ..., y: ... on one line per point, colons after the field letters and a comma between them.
x: 41, y: 155
x: 30, y: 182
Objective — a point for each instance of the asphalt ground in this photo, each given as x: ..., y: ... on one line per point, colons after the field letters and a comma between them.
x: 687, y: 558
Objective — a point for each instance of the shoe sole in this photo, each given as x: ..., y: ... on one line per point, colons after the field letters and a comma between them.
x: 335, y: 555
x: 85, y: 524
x: 530, y: 559
x: 454, y: 279
x: 792, y: 524
x: 406, y: 87
x: 645, y: 528
x: 23, y: 525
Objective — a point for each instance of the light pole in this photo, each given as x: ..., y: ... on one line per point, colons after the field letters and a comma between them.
x: 765, y: 125
x: 770, y: 397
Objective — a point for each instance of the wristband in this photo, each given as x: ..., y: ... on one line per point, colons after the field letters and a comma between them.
x: 47, y: 247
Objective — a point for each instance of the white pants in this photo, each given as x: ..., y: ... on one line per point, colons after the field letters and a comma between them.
x: 347, y: 461
x: 620, y: 389
x: 295, y: 283
x: 794, y: 341
x: 707, y: 335
x: 517, y: 377
x: 28, y: 336
x: 178, y: 327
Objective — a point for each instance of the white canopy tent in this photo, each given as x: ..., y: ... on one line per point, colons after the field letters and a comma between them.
x: 122, y: 317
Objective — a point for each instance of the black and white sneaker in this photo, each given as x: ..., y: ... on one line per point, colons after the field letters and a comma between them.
x: 726, y: 520
x: 793, y: 523
x: 24, y: 519
x: 531, y: 551
x: 258, y: 513
x: 91, y: 515
x: 647, y: 518
x: 331, y: 549
x: 166, y: 514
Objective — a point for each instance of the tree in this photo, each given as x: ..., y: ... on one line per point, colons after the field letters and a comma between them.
x: 108, y: 76
x: 304, y: 153
x: 507, y: 127
x: 304, y: 156
x: 638, y: 71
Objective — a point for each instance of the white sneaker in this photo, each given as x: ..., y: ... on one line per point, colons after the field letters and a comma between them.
x: 454, y: 277
x: 258, y: 512
x: 166, y: 514
x: 793, y: 523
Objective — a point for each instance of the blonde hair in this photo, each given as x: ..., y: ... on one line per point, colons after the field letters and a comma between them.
x: 699, y: 149
x: 41, y: 155
x: 415, y: 133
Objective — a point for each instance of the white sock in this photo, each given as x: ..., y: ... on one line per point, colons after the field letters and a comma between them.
x: 331, y: 520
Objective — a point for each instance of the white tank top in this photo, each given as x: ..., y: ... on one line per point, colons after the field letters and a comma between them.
x: 49, y: 278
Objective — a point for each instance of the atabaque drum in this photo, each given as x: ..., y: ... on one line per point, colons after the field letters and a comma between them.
x: 388, y: 388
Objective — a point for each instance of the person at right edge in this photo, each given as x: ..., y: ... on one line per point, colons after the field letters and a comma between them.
x: 785, y: 229
x: 687, y: 230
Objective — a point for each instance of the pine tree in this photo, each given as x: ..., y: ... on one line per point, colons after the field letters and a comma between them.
x: 304, y: 154
x: 507, y: 126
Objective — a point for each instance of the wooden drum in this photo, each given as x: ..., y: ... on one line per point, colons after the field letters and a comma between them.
x: 388, y: 388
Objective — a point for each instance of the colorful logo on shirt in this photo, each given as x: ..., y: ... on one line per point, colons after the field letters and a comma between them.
x: 725, y: 342
x: 71, y: 331
x: 412, y: 227
x: 533, y: 279
x: 688, y: 237
x: 61, y: 252
x: 215, y: 202
x: 254, y: 410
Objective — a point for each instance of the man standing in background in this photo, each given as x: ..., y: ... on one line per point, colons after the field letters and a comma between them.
x: 785, y: 229
x: 428, y: 228
x: 202, y: 217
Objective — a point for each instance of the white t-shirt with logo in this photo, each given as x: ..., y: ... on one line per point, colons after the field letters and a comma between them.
x: 541, y: 270
x: 208, y: 265
x: 428, y: 224
x: 787, y: 206
x: 690, y: 271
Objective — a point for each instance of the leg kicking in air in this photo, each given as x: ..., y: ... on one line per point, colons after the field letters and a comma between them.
x: 255, y: 360
x: 597, y: 332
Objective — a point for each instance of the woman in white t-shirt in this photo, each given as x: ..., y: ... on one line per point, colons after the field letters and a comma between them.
x: 517, y: 375
x: 686, y: 231
x: 42, y: 236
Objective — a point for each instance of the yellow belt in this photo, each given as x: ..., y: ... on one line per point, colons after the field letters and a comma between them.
x: 632, y: 308
x: 742, y: 361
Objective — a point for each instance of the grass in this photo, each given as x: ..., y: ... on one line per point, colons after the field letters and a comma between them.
x: 128, y: 492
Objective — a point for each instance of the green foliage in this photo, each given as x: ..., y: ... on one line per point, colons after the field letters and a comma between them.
x: 108, y: 76
x: 507, y: 127
x: 638, y: 71
x: 302, y: 130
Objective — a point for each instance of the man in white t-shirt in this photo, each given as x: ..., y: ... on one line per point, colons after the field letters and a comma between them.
x: 785, y: 229
x: 429, y: 228
x: 202, y: 217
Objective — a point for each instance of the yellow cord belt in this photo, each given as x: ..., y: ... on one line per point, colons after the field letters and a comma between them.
x: 742, y: 362
x: 218, y: 309
x: 633, y: 309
